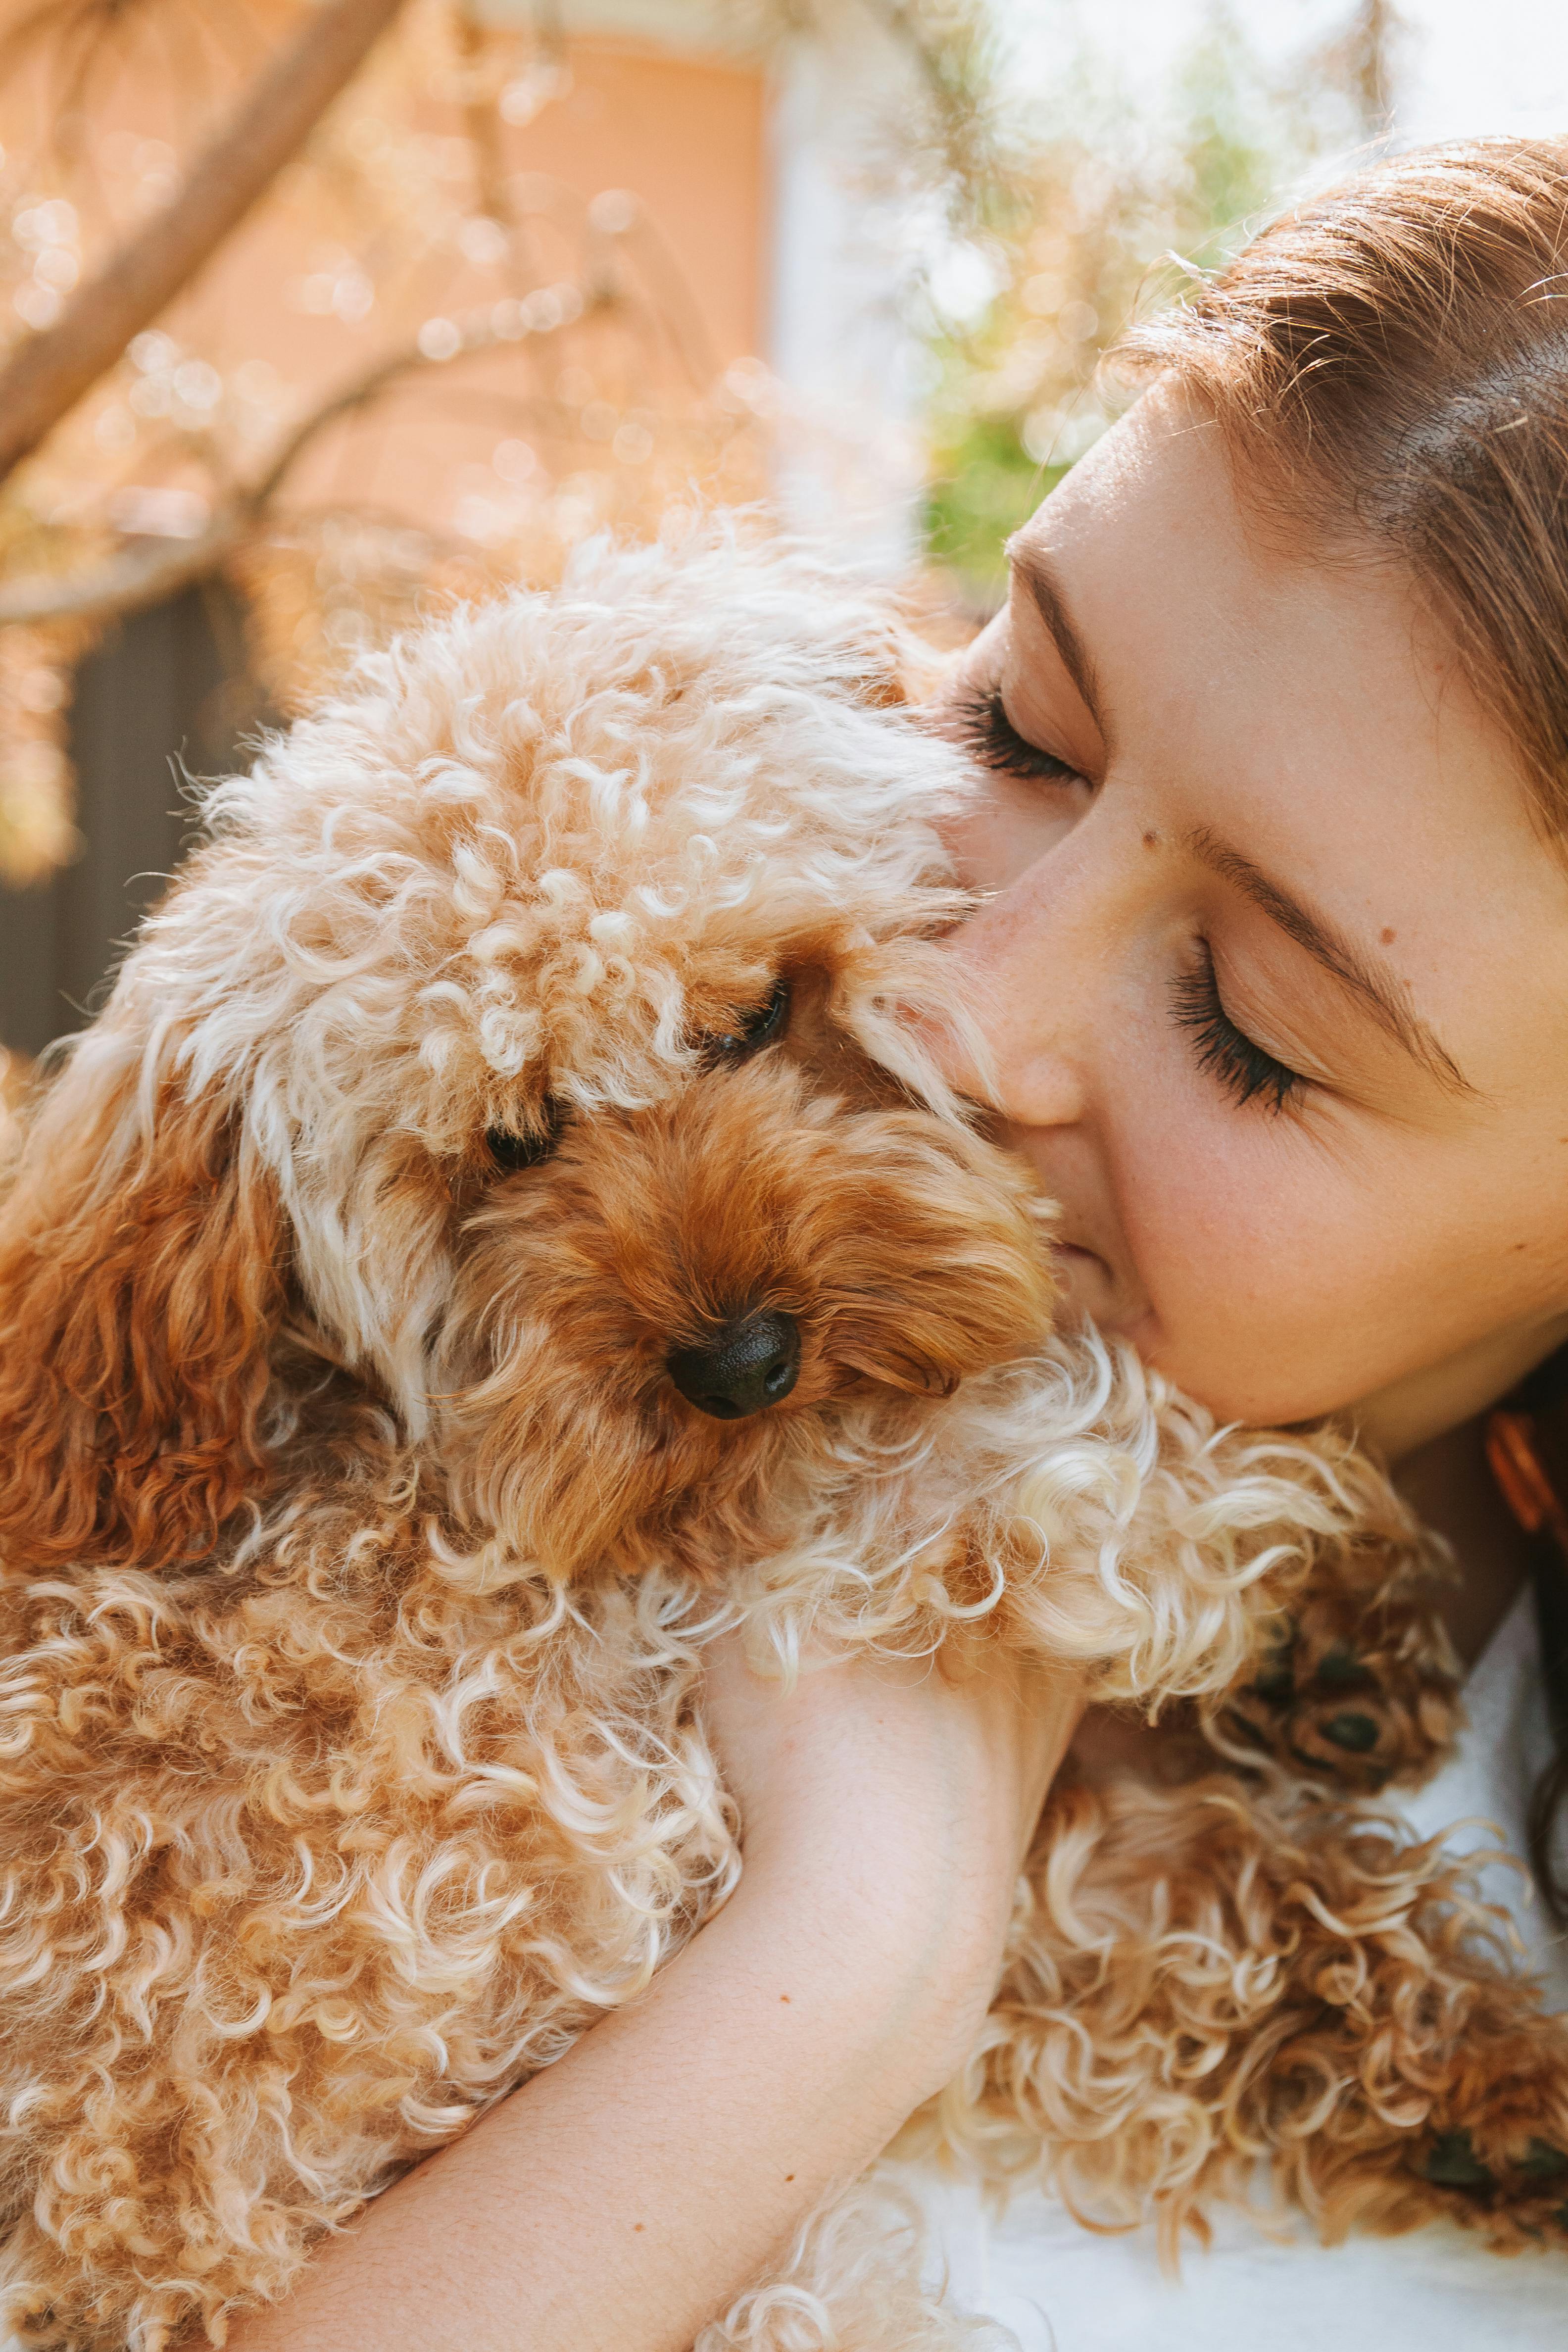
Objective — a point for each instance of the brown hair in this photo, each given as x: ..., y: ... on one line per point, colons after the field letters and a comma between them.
x: 1391, y: 358
x: 1393, y: 355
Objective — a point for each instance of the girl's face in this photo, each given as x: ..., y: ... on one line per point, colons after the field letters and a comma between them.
x: 1272, y: 958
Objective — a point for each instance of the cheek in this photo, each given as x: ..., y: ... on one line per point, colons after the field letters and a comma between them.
x: 1218, y: 1262
x: 1286, y: 1279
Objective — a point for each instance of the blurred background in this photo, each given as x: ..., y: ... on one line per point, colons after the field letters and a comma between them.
x: 314, y: 313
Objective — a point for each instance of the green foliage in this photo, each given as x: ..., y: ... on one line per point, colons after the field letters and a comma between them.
x: 983, y: 485
x: 1111, y: 196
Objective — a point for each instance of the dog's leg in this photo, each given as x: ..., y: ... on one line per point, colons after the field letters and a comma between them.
x: 1276, y: 1580
x: 1451, y: 2097
x: 1207, y: 1990
x: 1357, y: 1683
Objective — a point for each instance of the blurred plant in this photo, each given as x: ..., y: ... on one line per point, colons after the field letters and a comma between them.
x: 963, y: 144
x: 1119, y: 210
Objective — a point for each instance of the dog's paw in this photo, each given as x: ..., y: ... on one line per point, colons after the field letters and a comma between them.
x: 1513, y: 2186
x: 1361, y: 1703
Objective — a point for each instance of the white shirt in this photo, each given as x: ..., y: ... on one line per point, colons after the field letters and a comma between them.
x: 1062, y: 2288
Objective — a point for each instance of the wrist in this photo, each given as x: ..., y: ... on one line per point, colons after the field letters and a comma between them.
x: 891, y: 1959
x: 881, y: 1850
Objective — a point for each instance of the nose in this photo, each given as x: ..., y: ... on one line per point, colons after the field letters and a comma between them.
x: 1037, y: 965
x: 753, y: 1363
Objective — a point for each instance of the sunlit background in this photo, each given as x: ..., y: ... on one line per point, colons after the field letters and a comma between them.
x: 547, y: 266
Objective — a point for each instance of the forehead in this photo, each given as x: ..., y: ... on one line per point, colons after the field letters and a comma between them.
x: 672, y: 802
x: 1199, y: 606
x: 1293, y: 696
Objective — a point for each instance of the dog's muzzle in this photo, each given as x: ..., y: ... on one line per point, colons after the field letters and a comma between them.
x: 752, y: 1363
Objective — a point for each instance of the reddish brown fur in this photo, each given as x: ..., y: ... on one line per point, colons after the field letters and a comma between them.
x: 137, y: 1305
x: 238, y: 1744
x: 904, y: 1250
x: 1358, y: 1685
x: 1213, y: 1986
x: 345, y: 1775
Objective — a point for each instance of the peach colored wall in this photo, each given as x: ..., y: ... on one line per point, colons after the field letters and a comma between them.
x: 687, y: 135
x: 689, y: 138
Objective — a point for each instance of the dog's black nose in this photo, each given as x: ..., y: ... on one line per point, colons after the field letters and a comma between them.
x: 754, y: 1362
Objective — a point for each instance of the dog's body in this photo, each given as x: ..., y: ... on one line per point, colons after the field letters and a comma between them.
x: 505, y: 1228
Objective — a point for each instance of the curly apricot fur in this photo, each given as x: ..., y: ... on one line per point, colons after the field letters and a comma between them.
x: 359, y: 1553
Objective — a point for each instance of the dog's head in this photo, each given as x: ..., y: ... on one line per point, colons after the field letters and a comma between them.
x: 534, y: 1033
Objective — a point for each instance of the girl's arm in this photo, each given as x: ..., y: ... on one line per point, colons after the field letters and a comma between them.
x: 620, y: 2201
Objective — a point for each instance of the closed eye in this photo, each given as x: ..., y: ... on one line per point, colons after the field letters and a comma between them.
x: 1243, y: 1067
x: 989, y: 736
x: 764, y: 1025
x: 514, y: 1149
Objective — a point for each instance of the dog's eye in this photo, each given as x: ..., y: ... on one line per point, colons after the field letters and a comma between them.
x: 760, y: 1027
x: 511, y: 1152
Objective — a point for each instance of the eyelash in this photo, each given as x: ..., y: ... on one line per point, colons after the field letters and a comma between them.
x: 1246, y: 1072
x: 988, y: 735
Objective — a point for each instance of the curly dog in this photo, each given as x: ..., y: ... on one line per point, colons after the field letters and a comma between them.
x: 506, y: 1225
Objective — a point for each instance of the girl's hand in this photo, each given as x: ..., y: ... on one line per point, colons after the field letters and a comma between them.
x: 912, y: 1786
x: 626, y: 2196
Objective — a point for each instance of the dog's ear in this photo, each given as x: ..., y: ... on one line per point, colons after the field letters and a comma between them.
x: 139, y: 1290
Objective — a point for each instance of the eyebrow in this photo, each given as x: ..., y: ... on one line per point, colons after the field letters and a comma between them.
x: 1034, y: 567
x: 1368, y: 977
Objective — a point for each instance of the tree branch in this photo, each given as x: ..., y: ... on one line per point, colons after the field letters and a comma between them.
x: 49, y: 373
x: 134, y: 577
x: 127, y: 582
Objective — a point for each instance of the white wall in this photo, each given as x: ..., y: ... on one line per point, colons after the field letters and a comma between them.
x: 1465, y: 66
x: 849, y: 464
